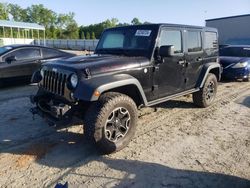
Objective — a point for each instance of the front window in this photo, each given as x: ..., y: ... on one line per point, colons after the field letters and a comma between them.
x: 24, y: 54
x: 235, y: 52
x: 171, y: 37
x: 126, y: 41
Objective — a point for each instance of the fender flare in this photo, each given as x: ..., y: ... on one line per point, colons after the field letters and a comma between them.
x: 206, y: 70
x: 86, y: 88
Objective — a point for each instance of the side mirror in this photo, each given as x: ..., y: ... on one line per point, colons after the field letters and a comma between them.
x: 10, y: 59
x: 166, y: 51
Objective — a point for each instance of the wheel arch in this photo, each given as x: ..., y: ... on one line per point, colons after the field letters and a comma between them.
x: 123, y: 83
x: 130, y: 90
x: 213, y: 68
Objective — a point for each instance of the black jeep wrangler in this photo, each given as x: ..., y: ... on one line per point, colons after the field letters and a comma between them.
x: 132, y: 66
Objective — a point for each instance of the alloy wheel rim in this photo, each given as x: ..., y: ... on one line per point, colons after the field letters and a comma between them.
x: 117, y: 124
x: 210, y: 92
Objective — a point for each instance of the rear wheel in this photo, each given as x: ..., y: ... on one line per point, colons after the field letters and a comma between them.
x: 206, y: 96
x: 111, y: 122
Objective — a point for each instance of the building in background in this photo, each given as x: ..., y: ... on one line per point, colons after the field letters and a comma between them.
x: 12, y: 32
x: 232, y: 30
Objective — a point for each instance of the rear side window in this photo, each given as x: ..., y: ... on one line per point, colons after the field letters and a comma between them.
x: 194, y: 41
x: 171, y: 37
x: 25, y: 54
x: 211, y: 41
x: 50, y: 53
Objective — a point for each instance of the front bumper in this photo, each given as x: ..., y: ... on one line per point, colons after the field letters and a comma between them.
x: 57, y: 115
x: 236, y: 73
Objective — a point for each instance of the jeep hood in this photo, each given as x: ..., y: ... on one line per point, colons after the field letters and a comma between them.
x: 98, y: 64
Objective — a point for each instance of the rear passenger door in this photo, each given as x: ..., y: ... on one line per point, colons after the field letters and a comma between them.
x: 194, y: 56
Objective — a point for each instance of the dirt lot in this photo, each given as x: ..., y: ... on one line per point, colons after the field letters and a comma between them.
x: 178, y: 145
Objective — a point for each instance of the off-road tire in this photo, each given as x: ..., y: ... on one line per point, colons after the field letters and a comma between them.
x: 201, y: 97
x: 97, y: 116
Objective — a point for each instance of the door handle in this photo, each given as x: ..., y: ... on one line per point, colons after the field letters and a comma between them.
x: 199, y: 59
x: 181, y: 62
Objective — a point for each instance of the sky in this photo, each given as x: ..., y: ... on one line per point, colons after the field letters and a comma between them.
x: 190, y: 12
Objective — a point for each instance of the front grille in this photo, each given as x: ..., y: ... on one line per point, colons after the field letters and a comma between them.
x: 54, y: 82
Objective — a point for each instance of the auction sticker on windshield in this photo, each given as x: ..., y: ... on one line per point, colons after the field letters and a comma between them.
x: 143, y: 33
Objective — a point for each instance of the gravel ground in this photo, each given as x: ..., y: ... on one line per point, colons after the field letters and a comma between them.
x: 176, y: 145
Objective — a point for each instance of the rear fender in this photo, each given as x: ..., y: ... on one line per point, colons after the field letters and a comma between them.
x: 212, y: 67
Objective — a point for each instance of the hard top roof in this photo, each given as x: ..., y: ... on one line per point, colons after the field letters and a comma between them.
x: 158, y: 25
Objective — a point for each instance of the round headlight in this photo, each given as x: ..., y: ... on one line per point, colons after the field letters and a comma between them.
x: 73, y: 80
x: 42, y: 71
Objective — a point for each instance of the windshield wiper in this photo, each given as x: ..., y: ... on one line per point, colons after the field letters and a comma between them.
x: 121, y: 51
x: 116, y: 51
x: 103, y: 50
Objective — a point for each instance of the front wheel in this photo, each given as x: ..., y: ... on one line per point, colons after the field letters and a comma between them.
x: 206, y: 96
x: 111, y: 122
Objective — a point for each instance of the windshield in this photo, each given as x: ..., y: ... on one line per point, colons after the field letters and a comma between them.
x: 235, y: 52
x: 4, y: 49
x: 126, y: 41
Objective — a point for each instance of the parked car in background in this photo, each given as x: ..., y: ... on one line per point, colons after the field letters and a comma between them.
x: 18, y: 62
x: 235, y: 60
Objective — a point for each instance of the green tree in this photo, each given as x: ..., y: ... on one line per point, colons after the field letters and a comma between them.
x: 93, y: 35
x: 71, y: 31
x: 98, y: 28
x: 41, y: 15
x: 4, y: 12
x: 122, y: 24
x: 136, y: 21
x: 64, y: 20
x: 56, y: 25
x: 67, y: 26
x: 82, y: 34
x: 88, y: 36
x: 18, y: 13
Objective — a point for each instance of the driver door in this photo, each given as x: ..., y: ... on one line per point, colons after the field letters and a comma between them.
x: 171, y: 70
x: 23, y: 66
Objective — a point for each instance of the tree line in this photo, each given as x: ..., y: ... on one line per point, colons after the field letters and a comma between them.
x: 57, y: 26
